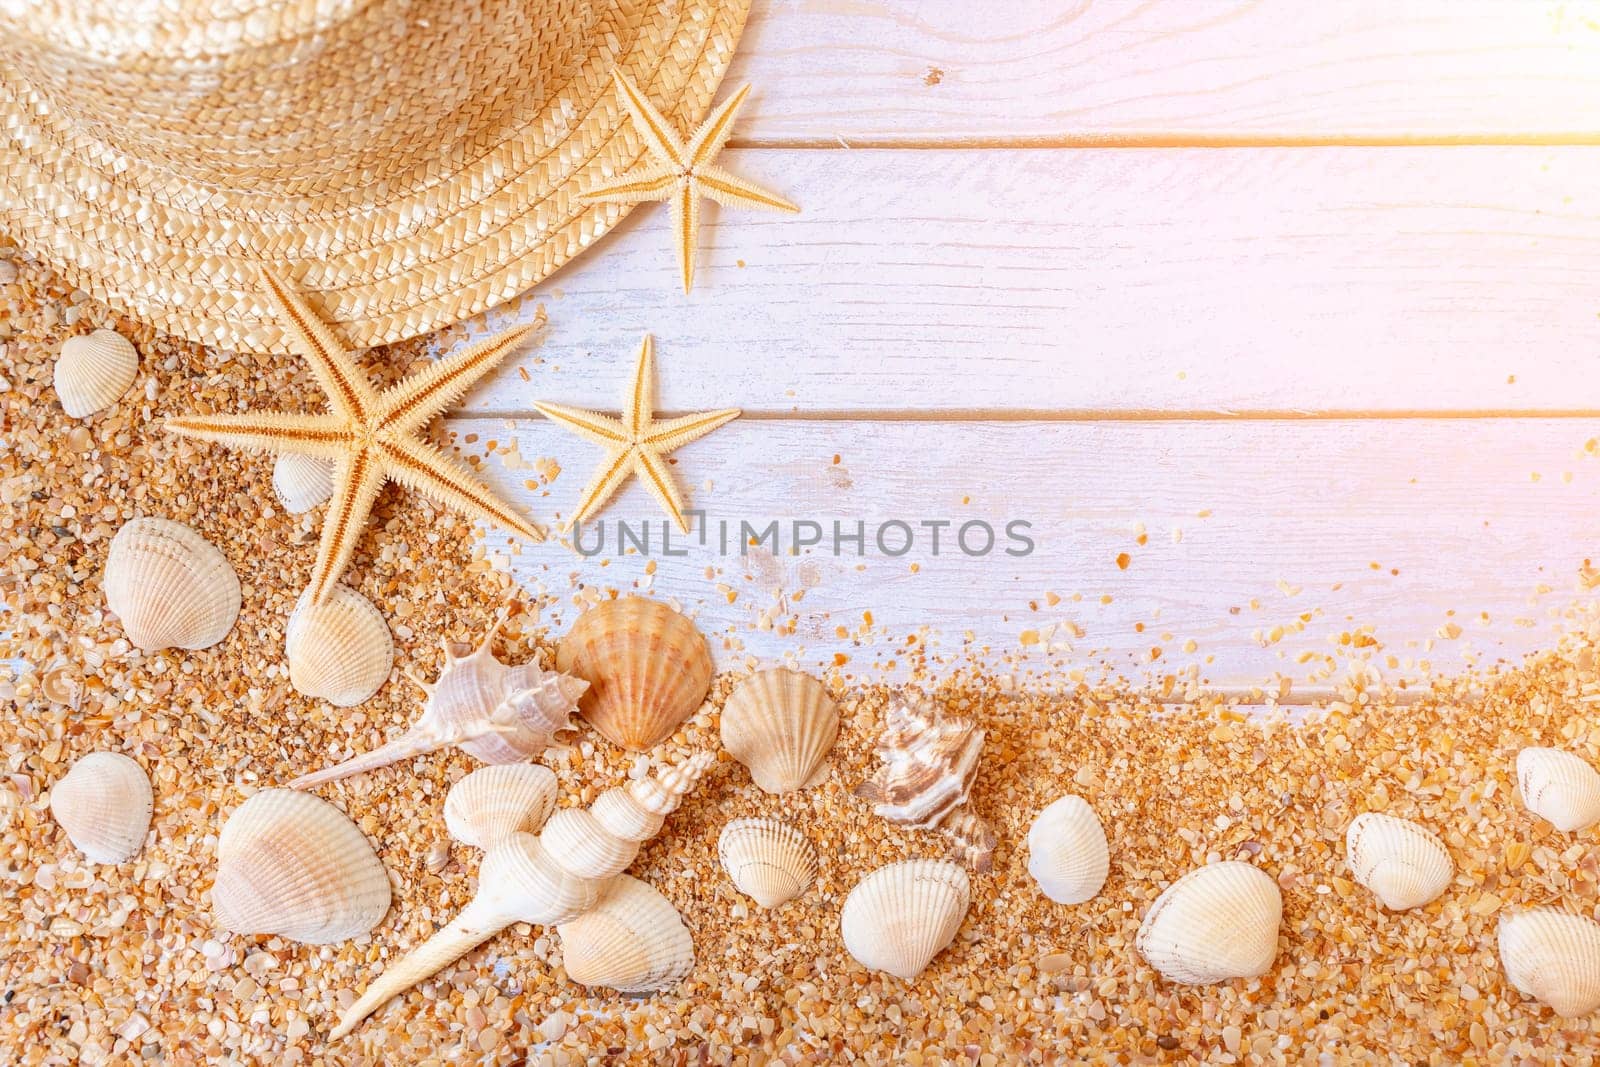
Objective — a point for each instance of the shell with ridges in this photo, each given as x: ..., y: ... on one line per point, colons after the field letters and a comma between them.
x: 301, y: 482
x: 770, y: 861
x: 633, y: 940
x: 93, y: 371
x: 781, y: 724
x: 340, y: 650
x: 1554, y: 957
x: 1403, y: 863
x: 494, y: 802
x: 1215, y: 923
x: 899, y: 917
x: 170, y: 587
x: 1559, y: 787
x: 104, y: 803
x: 296, y: 866
x: 1068, y: 855
x: 647, y: 666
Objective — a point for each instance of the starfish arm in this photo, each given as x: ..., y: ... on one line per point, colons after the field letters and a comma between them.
x: 603, y: 430
x: 411, y: 403
x: 674, y: 434
x: 713, y: 132
x: 640, y: 410
x: 635, y: 187
x: 603, y: 486
x: 267, y: 431
x: 653, y: 470
x: 730, y: 190
x: 686, y: 229
x: 420, y: 466
x: 356, y: 481
x: 660, y: 138
x: 347, y: 388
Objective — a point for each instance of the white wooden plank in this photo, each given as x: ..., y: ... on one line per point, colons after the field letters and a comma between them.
x: 1320, y: 529
x: 1091, y: 281
x: 1165, y: 70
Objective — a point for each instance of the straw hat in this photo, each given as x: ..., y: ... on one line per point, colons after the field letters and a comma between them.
x: 408, y: 162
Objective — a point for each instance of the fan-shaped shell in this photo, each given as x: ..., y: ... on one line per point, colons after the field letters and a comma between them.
x: 899, y: 917
x: 170, y: 587
x: 1215, y: 923
x: 293, y: 865
x: 647, y: 666
x: 1553, y: 956
x: 1403, y: 863
x: 1559, y: 787
x: 493, y: 802
x: 781, y: 724
x: 340, y: 650
x: 104, y: 803
x: 632, y: 940
x: 301, y: 482
x: 1067, y: 851
x: 769, y: 860
x: 93, y: 371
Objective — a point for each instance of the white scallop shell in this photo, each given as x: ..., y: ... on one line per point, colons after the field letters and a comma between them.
x: 104, y: 803
x: 899, y: 917
x: 781, y: 724
x: 1559, y: 787
x: 1067, y: 851
x: 93, y: 371
x: 770, y: 861
x: 1403, y: 863
x: 301, y: 482
x: 632, y: 940
x: 1215, y: 923
x: 340, y: 650
x: 1553, y: 956
x: 494, y: 802
x: 169, y: 586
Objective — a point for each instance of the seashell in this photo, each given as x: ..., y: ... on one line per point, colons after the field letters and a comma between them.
x: 93, y: 371
x: 1403, y: 863
x: 1067, y: 851
x: 339, y: 650
x: 103, y: 803
x: 1553, y: 956
x: 296, y: 866
x: 1559, y: 787
x: 170, y: 587
x: 62, y: 683
x: 781, y: 724
x: 769, y: 860
x: 647, y: 666
x: 1215, y: 923
x: 494, y: 713
x: 632, y: 940
x: 899, y: 917
x: 494, y: 802
x: 548, y: 879
x: 301, y: 482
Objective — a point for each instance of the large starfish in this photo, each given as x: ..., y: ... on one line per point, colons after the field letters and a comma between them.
x: 370, y: 437
x: 636, y: 443
x: 682, y: 173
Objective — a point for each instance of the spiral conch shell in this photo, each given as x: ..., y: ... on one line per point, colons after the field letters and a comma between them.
x: 104, y: 804
x: 647, y: 666
x: 633, y: 940
x: 494, y: 802
x: 93, y: 371
x: 781, y: 724
x: 1215, y: 923
x: 899, y: 917
x: 1404, y: 864
x: 1067, y: 851
x: 1559, y: 787
x: 1553, y: 956
x: 169, y: 586
x: 301, y: 482
x: 340, y: 650
x: 769, y: 860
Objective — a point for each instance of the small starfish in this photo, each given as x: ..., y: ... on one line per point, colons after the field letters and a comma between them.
x: 636, y: 443
x: 682, y: 173
x: 370, y: 437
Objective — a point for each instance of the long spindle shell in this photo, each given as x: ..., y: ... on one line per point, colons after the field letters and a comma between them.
x: 104, y: 804
x: 1215, y: 923
x: 781, y: 724
x: 899, y: 917
x: 170, y: 587
x: 1553, y: 956
x: 633, y: 940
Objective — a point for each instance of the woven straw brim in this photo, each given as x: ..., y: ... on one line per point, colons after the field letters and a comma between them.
x: 382, y: 264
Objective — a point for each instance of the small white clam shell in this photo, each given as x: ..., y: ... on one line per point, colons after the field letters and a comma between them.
x: 104, y: 803
x: 1559, y: 787
x: 1215, y: 923
x: 1403, y: 863
x: 340, y: 650
x: 301, y: 482
x: 899, y: 917
x: 632, y: 940
x: 494, y: 802
x: 1553, y: 956
x: 169, y: 586
x: 93, y: 371
x: 770, y: 861
x: 781, y: 724
x: 1067, y: 851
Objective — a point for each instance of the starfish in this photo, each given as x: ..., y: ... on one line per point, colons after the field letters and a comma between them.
x: 680, y: 172
x: 636, y: 443
x: 370, y: 437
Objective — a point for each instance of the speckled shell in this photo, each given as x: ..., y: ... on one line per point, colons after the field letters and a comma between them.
x: 104, y: 803
x: 494, y: 802
x: 632, y: 940
x: 340, y: 650
x: 770, y: 861
x: 301, y: 482
x: 1215, y: 923
x: 1553, y: 956
x: 93, y: 371
x: 899, y: 917
x: 647, y: 666
x: 293, y: 865
x: 781, y: 724
x: 1559, y: 787
x: 170, y: 587
x: 1067, y: 851
x: 1403, y: 863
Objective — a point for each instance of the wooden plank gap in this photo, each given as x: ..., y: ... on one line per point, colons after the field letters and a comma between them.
x: 1104, y: 415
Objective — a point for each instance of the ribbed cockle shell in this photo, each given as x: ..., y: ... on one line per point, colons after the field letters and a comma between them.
x: 1553, y: 956
x: 494, y: 802
x: 769, y: 860
x: 93, y: 371
x: 104, y: 803
x: 1559, y: 787
x: 1403, y: 863
x: 633, y: 940
x: 301, y: 482
x: 1215, y: 923
x: 339, y: 650
x: 1067, y: 851
x: 170, y: 587
x: 899, y: 917
x: 781, y: 724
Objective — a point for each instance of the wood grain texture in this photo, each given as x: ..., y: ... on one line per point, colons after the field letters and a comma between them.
x: 1169, y: 71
